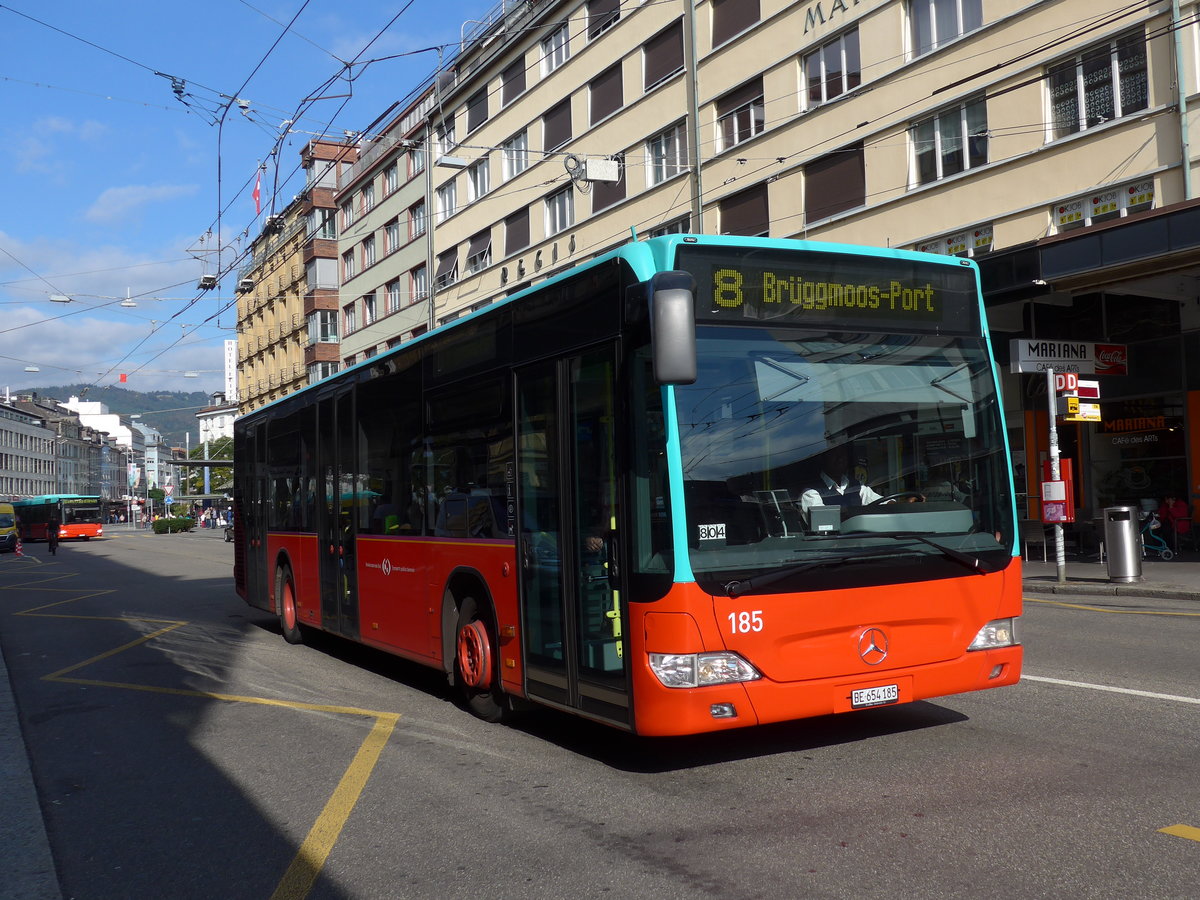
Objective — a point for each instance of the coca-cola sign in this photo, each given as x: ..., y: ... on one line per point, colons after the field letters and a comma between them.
x: 1112, y: 359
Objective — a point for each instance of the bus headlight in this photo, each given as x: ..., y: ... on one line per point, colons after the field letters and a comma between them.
x: 997, y: 633
x: 687, y: 670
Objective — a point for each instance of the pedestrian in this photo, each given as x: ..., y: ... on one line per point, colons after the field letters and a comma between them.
x: 52, y: 535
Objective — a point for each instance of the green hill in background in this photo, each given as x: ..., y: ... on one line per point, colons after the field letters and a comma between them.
x: 171, y: 413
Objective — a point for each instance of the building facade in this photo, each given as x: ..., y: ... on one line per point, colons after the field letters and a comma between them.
x: 1050, y: 141
x: 26, y: 454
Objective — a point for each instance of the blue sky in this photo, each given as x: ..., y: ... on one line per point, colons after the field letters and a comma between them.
x: 122, y: 147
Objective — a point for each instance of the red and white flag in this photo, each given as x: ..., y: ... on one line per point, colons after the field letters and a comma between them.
x: 258, y: 193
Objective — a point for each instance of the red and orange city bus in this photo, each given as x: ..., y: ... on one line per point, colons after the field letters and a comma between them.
x: 78, y: 516
x: 604, y: 494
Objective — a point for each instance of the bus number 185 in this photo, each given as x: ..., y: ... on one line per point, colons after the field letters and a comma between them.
x: 745, y: 621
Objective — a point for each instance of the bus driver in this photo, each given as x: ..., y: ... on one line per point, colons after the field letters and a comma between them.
x: 838, y: 487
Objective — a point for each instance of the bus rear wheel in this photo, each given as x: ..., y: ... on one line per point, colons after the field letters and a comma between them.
x: 475, y: 660
x: 289, y: 616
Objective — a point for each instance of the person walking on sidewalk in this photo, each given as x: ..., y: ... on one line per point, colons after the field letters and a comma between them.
x: 52, y: 535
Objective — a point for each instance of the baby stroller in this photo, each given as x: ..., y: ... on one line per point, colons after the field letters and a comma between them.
x: 1152, y: 539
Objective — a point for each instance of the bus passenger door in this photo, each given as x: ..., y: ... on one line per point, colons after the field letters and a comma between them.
x: 568, y: 538
x: 336, y: 498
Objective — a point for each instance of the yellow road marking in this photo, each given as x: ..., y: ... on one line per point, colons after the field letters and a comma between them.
x: 299, y: 878
x: 306, y: 866
x: 1103, y: 609
x: 1183, y: 831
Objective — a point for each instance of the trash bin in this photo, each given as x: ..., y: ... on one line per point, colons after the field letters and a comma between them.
x: 1123, y: 543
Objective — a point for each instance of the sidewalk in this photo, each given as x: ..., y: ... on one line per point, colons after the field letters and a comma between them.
x: 1177, y: 579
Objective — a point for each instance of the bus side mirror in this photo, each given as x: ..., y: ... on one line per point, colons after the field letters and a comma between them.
x: 673, y: 327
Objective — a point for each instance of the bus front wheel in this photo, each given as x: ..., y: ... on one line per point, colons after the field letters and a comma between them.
x: 289, y: 617
x: 475, y: 648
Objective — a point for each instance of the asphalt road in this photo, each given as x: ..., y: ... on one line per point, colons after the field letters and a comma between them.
x: 181, y: 748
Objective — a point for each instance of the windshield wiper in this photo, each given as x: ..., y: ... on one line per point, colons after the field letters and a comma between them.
x: 736, y: 588
x: 963, y: 559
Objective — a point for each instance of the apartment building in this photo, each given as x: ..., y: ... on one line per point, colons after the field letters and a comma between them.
x: 385, y: 238
x: 288, y: 291
x: 26, y: 454
x: 1050, y: 141
x: 271, y: 325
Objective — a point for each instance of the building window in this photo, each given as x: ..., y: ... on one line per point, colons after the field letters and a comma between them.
x: 322, y: 327
x: 512, y: 81
x: 393, y: 296
x: 972, y: 242
x: 608, y: 193
x: 447, y: 200
x: 835, y: 183
x: 391, y: 236
x: 446, y: 141
x: 933, y: 23
x: 833, y: 69
x: 1103, y: 83
x: 349, y: 319
x: 320, y: 370
x: 677, y: 226
x: 662, y: 56
x: 477, y: 109
x: 556, y: 126
x: 953, y: 141
x: 347, y: 215
x: 516, y: 155
x: 602, y: 15
x: 746, y: 212
x: 560, y: 210
x: 391, y: 179
x: 556, y: 49
x: 418, y: 282
x: 447, y: 269
x: 605, y: 93
x: 348, y: 269
x: 479, y: 252
x: 477, y: 180
x: 368, y: 252
x: 368, y: 197
x: 416, y: 160
x: 516, y: 231
x: 732, y: 17
x: 1103, y: 206
x: 416, y: 219
x: 666, y: 155
x: 369, y: 312
x: 740, y: 114
x: 322, y: 223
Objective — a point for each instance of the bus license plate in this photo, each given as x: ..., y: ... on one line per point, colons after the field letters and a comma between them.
x: 875, y: 696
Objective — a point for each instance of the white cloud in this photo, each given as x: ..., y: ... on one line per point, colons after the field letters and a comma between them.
x: 86, y: 348
x: 119, y: 203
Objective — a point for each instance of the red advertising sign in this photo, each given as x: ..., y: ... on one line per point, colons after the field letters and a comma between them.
x: 1112, y: 359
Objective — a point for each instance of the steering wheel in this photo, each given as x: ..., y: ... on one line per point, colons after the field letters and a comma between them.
x: 899, y: 495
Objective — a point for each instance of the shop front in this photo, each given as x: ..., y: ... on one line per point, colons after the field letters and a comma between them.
x: 1118, y: 304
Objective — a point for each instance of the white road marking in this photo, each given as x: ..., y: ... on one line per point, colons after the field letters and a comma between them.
x: 1112, y: 690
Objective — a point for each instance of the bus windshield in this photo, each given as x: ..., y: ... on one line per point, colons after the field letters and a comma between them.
x: 84, y: 511
x: 800, y: 447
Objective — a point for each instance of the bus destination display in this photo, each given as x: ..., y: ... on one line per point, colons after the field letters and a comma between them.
x: 831, y: 291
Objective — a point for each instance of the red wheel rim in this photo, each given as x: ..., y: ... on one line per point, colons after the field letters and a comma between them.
x: 289, y: 606
x: 475, y: 656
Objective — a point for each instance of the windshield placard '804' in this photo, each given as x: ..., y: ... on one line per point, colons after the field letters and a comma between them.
x: 832, y: 291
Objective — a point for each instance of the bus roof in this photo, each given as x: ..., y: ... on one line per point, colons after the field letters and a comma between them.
x: 54, y: 498
x: 645, y: 258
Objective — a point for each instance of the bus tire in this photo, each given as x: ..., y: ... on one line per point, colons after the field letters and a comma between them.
x: 289, y: 616
x: 475, y: 662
